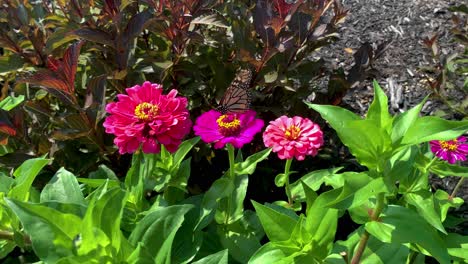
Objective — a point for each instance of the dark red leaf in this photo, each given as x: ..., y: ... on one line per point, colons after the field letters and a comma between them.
x: 70, y: 62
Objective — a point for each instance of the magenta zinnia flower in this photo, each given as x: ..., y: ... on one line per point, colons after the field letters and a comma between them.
x: 450, y: 150
x: 293, y: 137
x: 234, y: 128
x: 148, y: 118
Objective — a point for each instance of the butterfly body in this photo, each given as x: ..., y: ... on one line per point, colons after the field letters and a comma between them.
x: 237, y: 97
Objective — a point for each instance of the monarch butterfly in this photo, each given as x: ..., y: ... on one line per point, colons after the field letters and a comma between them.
x: 237, y: 97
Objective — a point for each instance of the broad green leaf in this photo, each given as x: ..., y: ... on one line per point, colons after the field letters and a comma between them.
x: 249, y: 165
x: 6, y: 247
x: 11, y: 102
x: 94, y: 183
x: 184, y: 149
x: 186, y: 247
x: 321, y: 222
x: 219, y: 189
x: 358, y: 190
x: 240, y: 239
x: 63, y: 188
x: 52, y: 233
x: 370, y: 144
x: 375, y: 252
x: 141, y: 255
x: 423, y: 201
x: 103, y: 172
x: 443, y: 169
x: 5, y: 183
x: 457, y: 246
x: 105, y: 212
x: 444, y: 202
x: 404, y: 121
x: 282, y: 252
x: 400, y: 167
x: 311, y: 196
x: 216, y: 258
x: 401, y: 225
x: 314, y: 180
x: 157, y: 231
x: 275, y: 252
x: 277, y: 225
x: 378, y: 110
x: 434, y: 128
x: 25, y: 175
x: 233, y: 205
x: 335, y: 116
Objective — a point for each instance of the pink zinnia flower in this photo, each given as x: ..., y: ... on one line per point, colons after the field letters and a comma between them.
x: 234, y: 128
x: 450, y: 150
x: 148, y: 118
x: 293, y: 137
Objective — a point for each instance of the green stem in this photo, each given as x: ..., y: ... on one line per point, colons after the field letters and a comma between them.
x: 230, y: 150
x: 430, y: 163
x: 10, y: 236
x: 365, y: 236
x: 286, y: 173
x: 459, y: 184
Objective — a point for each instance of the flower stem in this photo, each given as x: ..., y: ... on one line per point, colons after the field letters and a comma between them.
x: 230, y: 150
x: 286, y: 173
x: 365, y: 236
x: 459, y: 184
x: 430, y: 164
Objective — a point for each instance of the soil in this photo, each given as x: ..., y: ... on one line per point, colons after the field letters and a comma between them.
x: 405, y: 24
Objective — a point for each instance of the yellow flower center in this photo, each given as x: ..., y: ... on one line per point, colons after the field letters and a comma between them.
x: 146, y: 111
x: 292, y: 132
x: 228, y: 124
x: 451, y: 145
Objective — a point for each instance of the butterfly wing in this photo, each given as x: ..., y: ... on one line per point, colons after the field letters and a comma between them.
x: 237, y: 97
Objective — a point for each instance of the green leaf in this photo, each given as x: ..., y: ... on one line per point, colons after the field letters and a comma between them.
x: 52, y: 233
x: 94, y: 183
x: 444, y: 169
x: 423, y: 201
x: 335, y: 116
x: 280, y: 179
x: 220, y: 257
x: 276, y: 252
x: 404, y: 121
x: 103, y: 172
x: 370, y: 144
x: 221, y: 188
x: 401, y: 225
x: 249, y: 165
x: 241, y: 238
x: 444, y: 202
x: 184, y: 149
x: 321, y: 222
x: 376, y: 252
x: 105, y: 212
x: 358, y: 190
x: 378, y: 110
x: 25, y: 175
x: 157, y: 231
x: 235, y: 200
x: 11, y: 102
x: 457, y: 246
x: 434, y: 128
x: 185, y: 247
x: 277, y: 225
x: 313, y: 180
x: 64, y: 188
